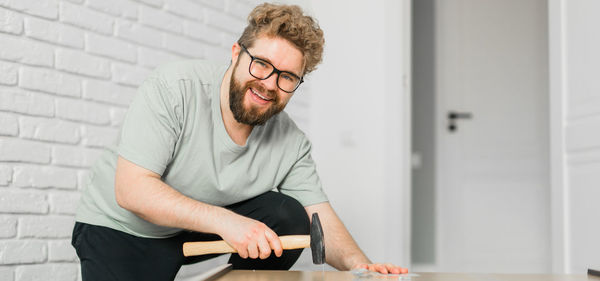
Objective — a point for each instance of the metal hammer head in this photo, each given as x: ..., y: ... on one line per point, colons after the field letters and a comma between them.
x: 317, y: 240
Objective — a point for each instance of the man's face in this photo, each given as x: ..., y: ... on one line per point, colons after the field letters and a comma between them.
x: 254, y: 101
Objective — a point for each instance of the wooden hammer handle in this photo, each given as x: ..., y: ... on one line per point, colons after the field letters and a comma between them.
x: 288, y: 242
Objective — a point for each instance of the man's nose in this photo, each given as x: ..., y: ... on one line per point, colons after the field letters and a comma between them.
x: 271, y: 82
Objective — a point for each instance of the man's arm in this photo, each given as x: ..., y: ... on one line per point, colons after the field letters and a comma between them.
x: 341, y: 251
x: 142, y: 192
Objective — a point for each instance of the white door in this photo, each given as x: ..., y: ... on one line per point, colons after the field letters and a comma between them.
x: 493, y: 188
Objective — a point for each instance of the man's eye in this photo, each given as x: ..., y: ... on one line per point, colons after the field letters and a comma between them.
x: 261, y: 63
x: 288, y: 77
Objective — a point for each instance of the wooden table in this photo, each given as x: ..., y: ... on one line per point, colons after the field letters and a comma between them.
x: 267, y: 275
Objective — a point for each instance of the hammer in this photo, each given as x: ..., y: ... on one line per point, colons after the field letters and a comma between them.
x: 288, y: 242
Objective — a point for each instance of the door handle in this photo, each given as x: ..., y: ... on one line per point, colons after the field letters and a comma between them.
x: 453, y: 116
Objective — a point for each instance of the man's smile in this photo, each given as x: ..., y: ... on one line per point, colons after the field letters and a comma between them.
x: 256, y: 96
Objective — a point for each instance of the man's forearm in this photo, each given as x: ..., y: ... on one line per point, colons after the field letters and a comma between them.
x: 165, y: 206
x: 149, y: 197
x: 341, y: 250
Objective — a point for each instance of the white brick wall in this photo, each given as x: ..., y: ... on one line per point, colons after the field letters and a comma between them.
x: 68, y: 70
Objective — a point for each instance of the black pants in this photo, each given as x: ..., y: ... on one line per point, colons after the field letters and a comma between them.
x: 108, y: 254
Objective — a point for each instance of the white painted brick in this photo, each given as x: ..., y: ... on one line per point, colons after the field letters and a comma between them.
x: 82, y: 63
x: 12, y: 149
x: 224, y: 21
x: 108, y: 92
x: 185, y: 8
x: 53, y: 130
x: 45, y: 226
x: 217, y: 53
x: 8, y: 227
x: 44, y: 177
x: 86, y: 18
x: 5, y: 175
x: 9, y: 126
x: 61, y: 250
x: 10, y: 22
x: 46, y: 9
x: 129, y: 75
x: 116, y: 116
x: 202, y: 32
x: 139, y: 34
x: 28, y: 103
x: 151, y: 58
x: 47, y: 272
x: 63, y: 202
x: 155, y: 3
x: 219, y: 5
x: 160, y: 20
x: 84, y: 178
x: 85, y: 111
x: 26, y: 51
x: 110, y: 47
x: 7, y: 274
x: 238, y: 8
x: 75, y: 156
x: 114, y: 7
x: 22, y: 251
x: 54, y: 32
x: 23, y: 202
x: 49, y: 81
x: 94, y: 136
x: 183, y: 46
x: 228, y: 39
x: 8, y: 73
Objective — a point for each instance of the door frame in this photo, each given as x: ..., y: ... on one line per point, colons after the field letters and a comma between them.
x: 559, y: 188
x: 399, y: 129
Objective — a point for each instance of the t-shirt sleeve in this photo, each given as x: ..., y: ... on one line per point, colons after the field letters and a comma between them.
x: 302, y: 182
x: 151, y: 127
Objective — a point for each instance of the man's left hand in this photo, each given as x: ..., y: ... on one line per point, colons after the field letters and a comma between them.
x: 383, y: 268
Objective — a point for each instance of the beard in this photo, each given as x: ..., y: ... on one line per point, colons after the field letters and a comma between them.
x: 251, y: 116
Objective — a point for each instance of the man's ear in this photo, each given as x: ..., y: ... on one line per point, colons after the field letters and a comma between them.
x: 235, y: 52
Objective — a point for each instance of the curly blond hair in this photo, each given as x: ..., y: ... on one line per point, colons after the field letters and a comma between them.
x: 287, y: 22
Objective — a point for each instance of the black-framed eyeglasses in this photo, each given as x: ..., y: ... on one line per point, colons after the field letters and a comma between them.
x: 262, y: 69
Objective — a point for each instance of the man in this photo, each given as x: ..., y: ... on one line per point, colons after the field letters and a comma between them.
x: 202, y: 149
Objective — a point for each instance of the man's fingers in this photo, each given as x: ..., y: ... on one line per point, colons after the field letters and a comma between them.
x: 252, y: 250
x: 243, y: 253
x: 387, y: 268
x: 274, y: 242
x: 264, y: 248
x: 378, y: 268
x: 392, y: 268
x: 382, y: 269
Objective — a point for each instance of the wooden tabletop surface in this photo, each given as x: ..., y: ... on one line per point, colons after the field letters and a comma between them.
x: 266, y: 275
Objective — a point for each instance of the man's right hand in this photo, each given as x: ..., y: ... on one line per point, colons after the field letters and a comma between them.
x: 250, y: 238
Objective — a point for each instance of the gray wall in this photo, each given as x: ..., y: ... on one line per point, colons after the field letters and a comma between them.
x: 423, y: 133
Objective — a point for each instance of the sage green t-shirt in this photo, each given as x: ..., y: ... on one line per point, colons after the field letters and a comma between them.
x: 174, y: 128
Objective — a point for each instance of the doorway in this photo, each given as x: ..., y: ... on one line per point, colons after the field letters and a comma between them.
x: 481, y: 192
